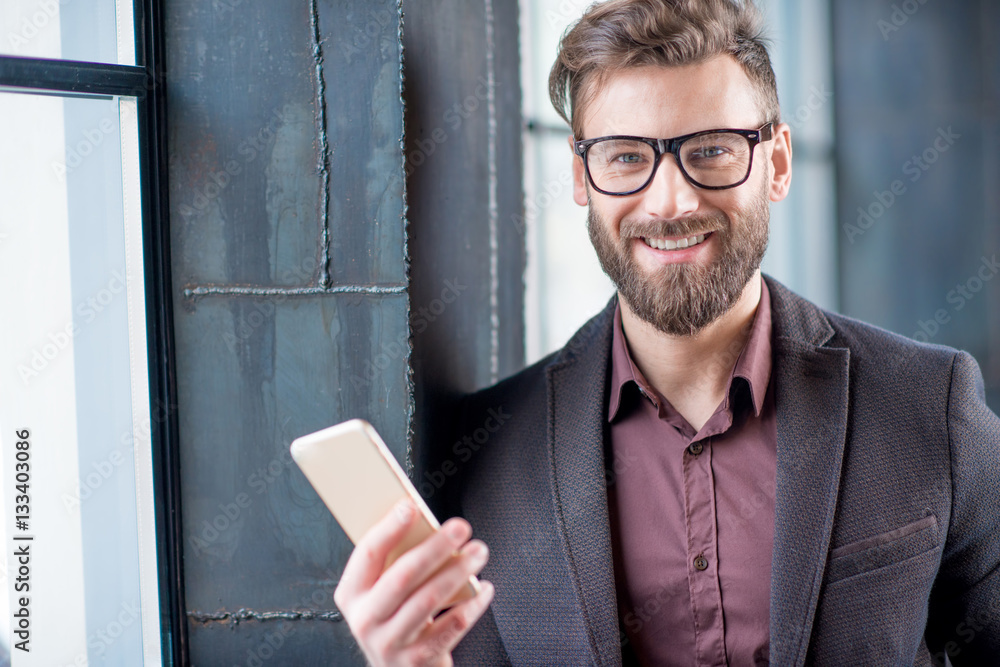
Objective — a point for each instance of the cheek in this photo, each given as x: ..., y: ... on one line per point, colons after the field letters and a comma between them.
x: 728, y: 201
x: 612, y: 217
x: 615, y: 209
x: 735, y: 204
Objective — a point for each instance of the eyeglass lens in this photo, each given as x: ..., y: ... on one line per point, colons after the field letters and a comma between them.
x: 713, y: 160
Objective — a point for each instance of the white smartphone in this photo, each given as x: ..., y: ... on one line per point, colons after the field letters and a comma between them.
x: 359, y: 480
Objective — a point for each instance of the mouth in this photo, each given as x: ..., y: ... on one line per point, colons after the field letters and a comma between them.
x: 675, y: 244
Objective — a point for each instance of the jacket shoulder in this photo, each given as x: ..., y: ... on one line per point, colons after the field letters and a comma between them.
x: 530, y: 382
x: 526, y: 384
x: 871, y: 346
x: 880, y: 346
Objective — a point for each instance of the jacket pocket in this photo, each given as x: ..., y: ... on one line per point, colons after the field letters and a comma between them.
x: 882, y: 550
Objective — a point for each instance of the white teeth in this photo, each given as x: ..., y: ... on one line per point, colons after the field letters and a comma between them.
x: 667, y: 244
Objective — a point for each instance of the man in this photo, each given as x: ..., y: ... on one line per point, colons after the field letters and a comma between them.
x: 713, y: 470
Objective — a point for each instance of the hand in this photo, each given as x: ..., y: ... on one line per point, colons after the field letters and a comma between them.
x: 392, y: 614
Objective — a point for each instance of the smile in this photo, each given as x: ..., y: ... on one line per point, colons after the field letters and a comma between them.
x: 667, y: 244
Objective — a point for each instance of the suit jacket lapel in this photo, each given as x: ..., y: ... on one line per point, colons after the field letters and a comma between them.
x: 577, y: 397
x: 811, y: 397
x: 811, y: 394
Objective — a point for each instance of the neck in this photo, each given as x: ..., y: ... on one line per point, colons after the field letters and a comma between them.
x: 692, y: 372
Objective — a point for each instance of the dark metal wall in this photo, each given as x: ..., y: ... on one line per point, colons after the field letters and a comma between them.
x: 297, y: 295
x: 463, y: 159
x: 918, y: 125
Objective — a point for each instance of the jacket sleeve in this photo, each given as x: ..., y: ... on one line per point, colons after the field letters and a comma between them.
x: 964, y: 614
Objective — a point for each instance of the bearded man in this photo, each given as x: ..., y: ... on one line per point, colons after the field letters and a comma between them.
x: 713, y: 471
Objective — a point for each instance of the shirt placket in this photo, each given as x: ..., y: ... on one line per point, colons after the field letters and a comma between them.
x: 702, y: 562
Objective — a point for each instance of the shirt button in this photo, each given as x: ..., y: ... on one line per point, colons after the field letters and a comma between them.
x: 696, y: 448
x: 700, y: 563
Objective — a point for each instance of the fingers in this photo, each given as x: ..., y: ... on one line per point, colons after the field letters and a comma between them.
x: 419, y: 609
x: 447, y: 630
x: 366, y: 563
x: 414, y: 567
x: 391, y: 613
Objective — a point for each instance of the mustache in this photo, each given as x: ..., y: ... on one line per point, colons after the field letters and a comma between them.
x: 667, y: 228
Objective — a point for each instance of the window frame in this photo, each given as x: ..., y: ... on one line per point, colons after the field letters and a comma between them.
x: 146, y: 82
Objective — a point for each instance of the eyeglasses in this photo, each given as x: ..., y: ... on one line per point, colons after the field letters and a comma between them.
x: 713, y: 159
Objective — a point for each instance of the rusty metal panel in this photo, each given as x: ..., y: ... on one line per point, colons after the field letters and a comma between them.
x: 465, y: 198
x: 296, y: 304
x: 289, y: 265
x: 257, y: 540
x: 362, y: 67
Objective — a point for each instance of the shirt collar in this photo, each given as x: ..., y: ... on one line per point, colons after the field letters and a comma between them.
x: 753, y: 363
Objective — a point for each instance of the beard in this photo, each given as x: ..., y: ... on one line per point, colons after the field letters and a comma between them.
x: 682, y: 299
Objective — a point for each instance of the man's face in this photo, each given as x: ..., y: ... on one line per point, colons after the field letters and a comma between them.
x: 682, y: 290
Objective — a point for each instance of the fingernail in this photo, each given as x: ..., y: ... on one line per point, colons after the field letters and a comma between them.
x: 478, y: 553
x: 456, y: 530
x: 404, y: 510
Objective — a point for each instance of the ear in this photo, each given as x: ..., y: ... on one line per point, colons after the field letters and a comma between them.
x: 579, y: 177
x: 781, y: 163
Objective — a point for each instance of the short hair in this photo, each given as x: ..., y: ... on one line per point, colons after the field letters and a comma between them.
x: 621, y: 34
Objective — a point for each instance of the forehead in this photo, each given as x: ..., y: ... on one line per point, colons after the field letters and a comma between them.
x: 656, y: 101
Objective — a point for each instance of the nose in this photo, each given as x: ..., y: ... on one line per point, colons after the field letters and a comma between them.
x: 670, y: 195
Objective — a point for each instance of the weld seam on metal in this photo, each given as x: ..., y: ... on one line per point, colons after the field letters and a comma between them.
x: 194, y: 292
x: 235, y: 617
x: 411, y: 390
x: 324, y: 147
x: 494, y: 208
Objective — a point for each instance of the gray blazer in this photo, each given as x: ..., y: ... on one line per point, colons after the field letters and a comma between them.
x: 887, y: 525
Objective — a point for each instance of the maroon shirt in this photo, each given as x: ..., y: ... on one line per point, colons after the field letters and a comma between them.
x: 692, y: 513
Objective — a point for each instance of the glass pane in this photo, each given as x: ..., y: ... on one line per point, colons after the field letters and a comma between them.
x: 74, y: 385
x: 91, y: 30
x: 564, y: 283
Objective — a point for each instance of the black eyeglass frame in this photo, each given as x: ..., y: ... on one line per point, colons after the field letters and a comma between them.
x: 662, y: 147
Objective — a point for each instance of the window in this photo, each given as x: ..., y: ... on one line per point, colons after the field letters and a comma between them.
x: 87, y: 490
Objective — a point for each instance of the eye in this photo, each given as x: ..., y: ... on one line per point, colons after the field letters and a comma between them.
x: 709, y: 152
x: 628, y: 158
